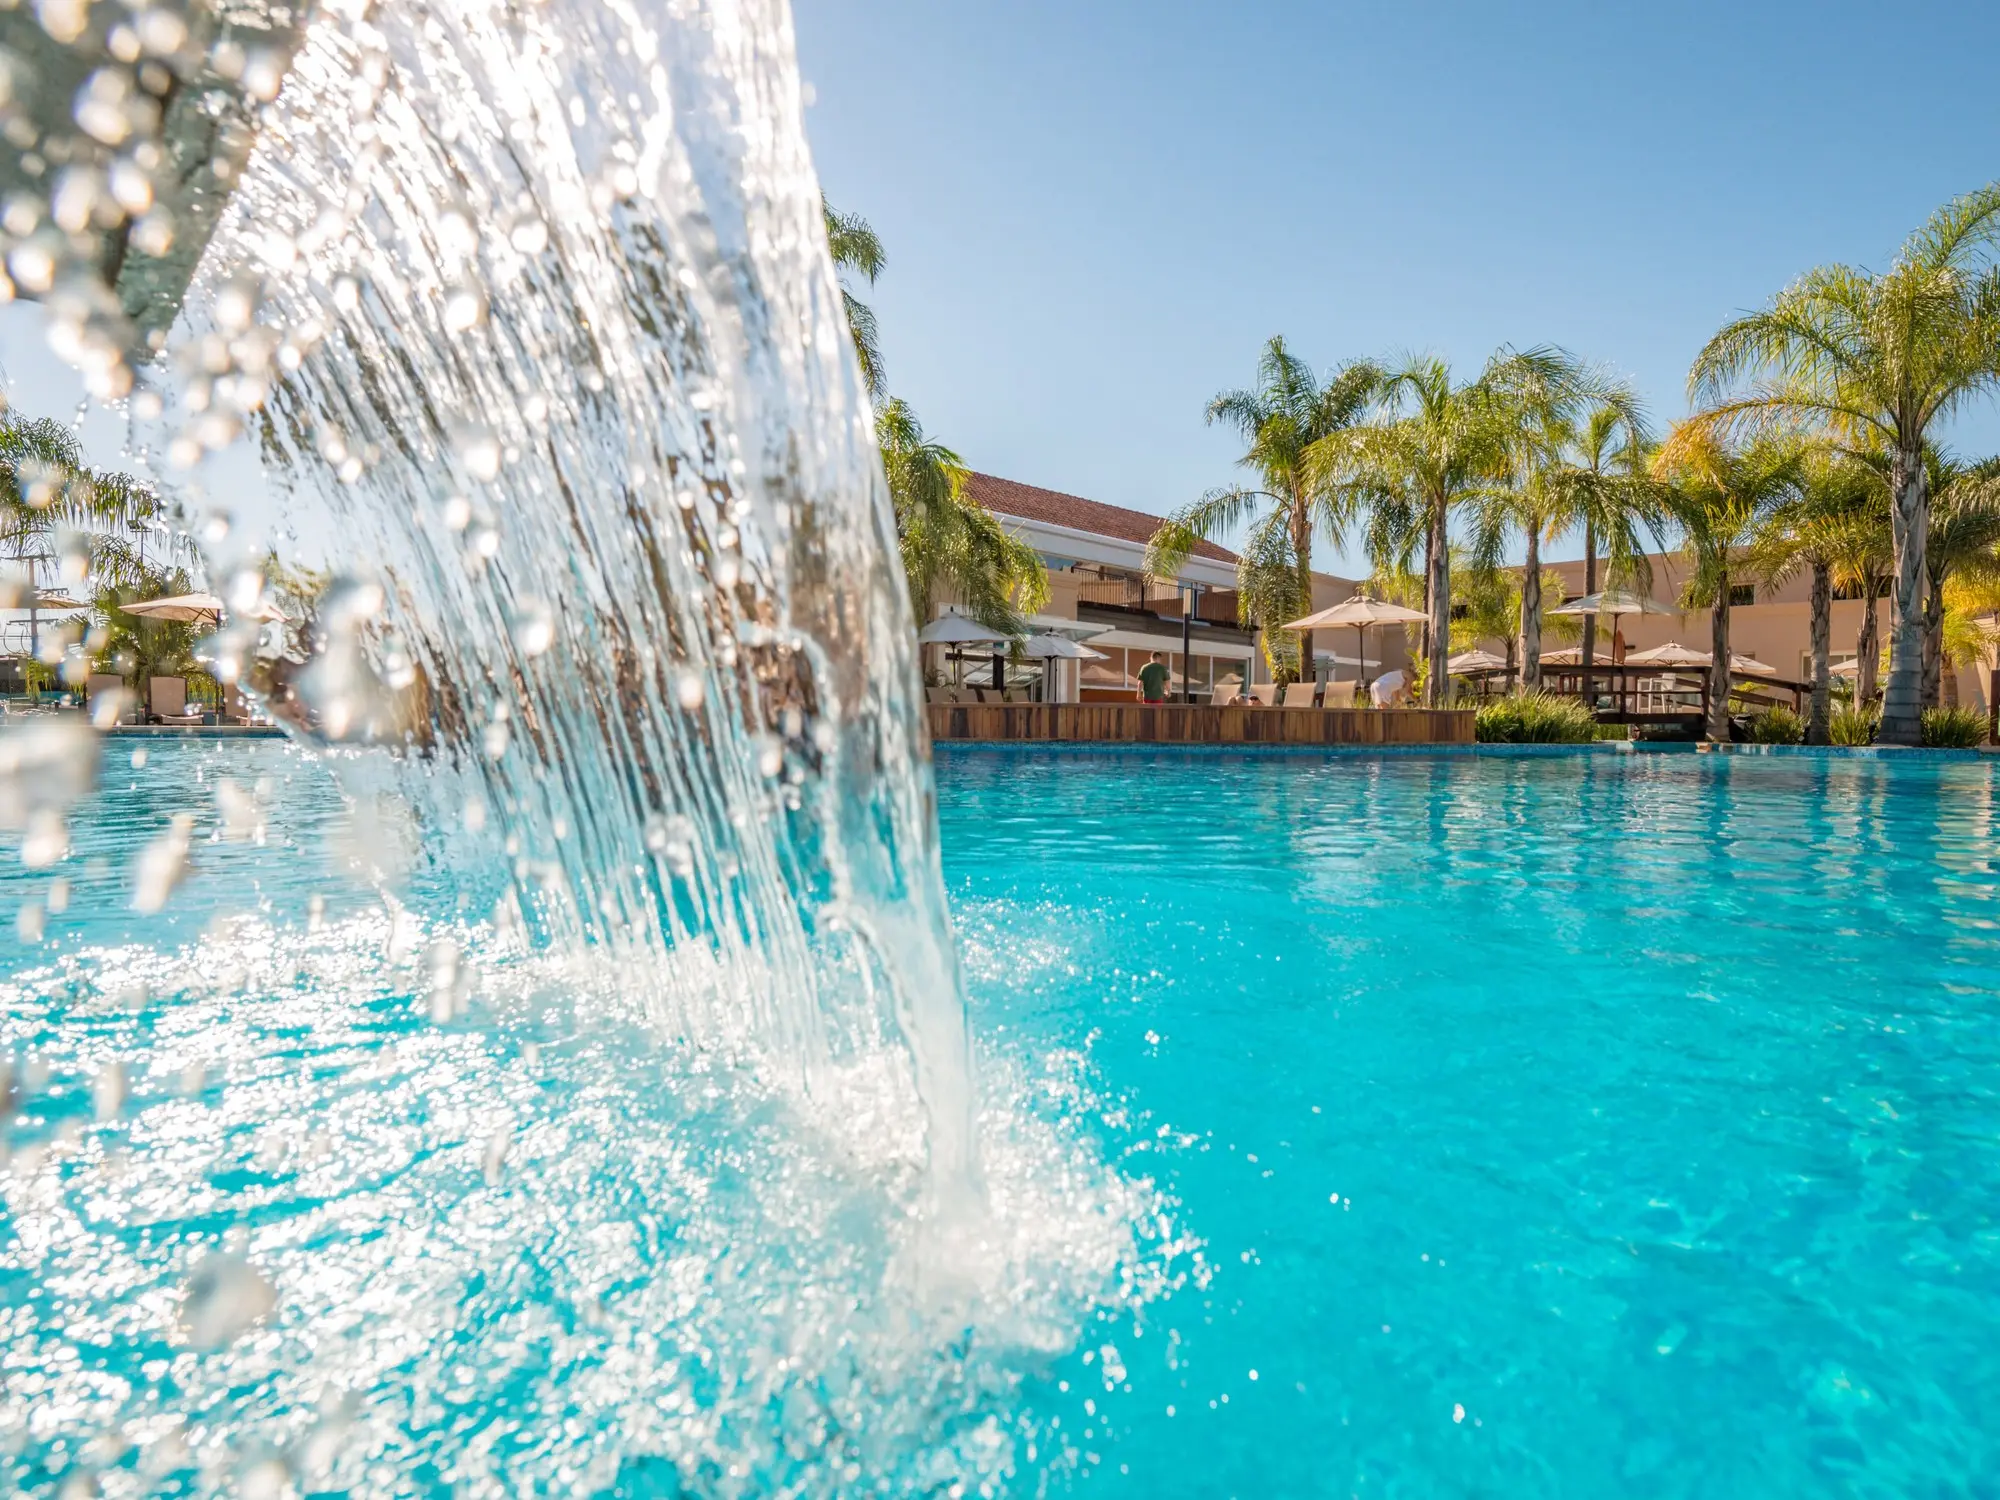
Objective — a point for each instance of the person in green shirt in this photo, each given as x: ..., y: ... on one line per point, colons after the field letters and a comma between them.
x: 1153, y: 680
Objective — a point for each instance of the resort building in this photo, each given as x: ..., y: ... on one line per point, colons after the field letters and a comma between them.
x: 1099, y: 594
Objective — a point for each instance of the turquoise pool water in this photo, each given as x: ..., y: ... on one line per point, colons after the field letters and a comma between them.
x: 1366, y: 1125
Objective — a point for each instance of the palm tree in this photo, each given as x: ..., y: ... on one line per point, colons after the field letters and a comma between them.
x: 1829, y: 526
x: 1489, y: 607
x: 1876, y: 360
x: 1964, y: 531
x: 1435, y: 446
x: 1280, y: 420
x: 949, y: 541
x: 1607, y: 491
x: 1721, y: 497
x: 1564, y: 418
x: 856, y: 248
x: 52, y: 502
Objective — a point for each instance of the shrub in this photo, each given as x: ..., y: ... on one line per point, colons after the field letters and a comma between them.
x: 1853, y: 726
x: 1535, y: 719
x: 1777, y: 726
x: 1954, y: 728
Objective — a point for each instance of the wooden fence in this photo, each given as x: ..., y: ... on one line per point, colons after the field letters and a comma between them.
x: 1199, y: 724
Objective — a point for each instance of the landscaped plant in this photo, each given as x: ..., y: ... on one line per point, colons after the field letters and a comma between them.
x: 1853, y: 726
x: 1777, y: 726
x: 1535, y: 719
x: 1953, y: 728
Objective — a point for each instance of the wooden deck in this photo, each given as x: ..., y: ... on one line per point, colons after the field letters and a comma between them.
x: 1199, y: 724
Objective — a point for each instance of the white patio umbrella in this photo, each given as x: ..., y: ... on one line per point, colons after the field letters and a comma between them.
x: 1360, y: 612
x: 1058, y: 648
x: 1673, y: 654
x: 1467, y: 662
x: 953, y: 630
x: 1615, y: 603
x: 194, y: 609
x: 1741, y: 663
x: 1049, y: 647
x: 960, y: 630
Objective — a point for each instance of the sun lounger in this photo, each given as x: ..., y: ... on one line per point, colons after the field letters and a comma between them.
x: 1265, y: 693
x: 1339, y: 695
x: 1300, y: 694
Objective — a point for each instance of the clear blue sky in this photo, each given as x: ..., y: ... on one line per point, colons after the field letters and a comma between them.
x: 1096, y: 211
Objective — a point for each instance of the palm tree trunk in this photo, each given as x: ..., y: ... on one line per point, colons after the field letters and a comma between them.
x: 1438, y: 571
x: 1531, y: 614
x: 1867, y: 642
x: 1933, y: 673
x: 1909, y: 518
x: 1718, y: 663
x: 1820, y: 717
x: 1302, y: 548
x: 1588, y: 657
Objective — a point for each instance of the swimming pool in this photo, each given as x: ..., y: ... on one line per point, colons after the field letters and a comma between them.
x: 1367, y: 1124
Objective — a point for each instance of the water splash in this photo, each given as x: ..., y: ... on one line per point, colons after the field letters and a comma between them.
x: 531, y: 305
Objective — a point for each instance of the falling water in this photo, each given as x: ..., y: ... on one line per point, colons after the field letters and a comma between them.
x: 525, y: 315
x: 533, y: 301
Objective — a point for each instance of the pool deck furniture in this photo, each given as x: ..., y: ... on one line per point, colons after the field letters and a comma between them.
x: 1198, y: 724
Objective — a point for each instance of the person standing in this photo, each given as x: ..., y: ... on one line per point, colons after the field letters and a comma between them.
x: 1153, y: 679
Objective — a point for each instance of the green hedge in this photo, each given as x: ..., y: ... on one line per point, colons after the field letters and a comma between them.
x: 1534, y: 719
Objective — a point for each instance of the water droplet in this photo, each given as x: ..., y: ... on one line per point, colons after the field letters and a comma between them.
x: 495, y: 1159
x: 107, y: 1091
x: 29, y: 922
x: 1457, y: 1413
x: 534, y: 628
x: 479, y: 450
x: 442, y: 960
x: 46, y: 839
x: 237, y: 302
x: 161, y: 864
x: 689, y: 689
x: 464, y: 307
x: 497, y: 738
x: 225, y: 1297
x: 58, y: 898
x: 528, y: 234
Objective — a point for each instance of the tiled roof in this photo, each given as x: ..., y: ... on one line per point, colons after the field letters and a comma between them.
x: 1007, y: 497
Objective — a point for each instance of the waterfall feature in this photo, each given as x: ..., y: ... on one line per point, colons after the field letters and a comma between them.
x: 628, y: 1146
x: 532, y: 303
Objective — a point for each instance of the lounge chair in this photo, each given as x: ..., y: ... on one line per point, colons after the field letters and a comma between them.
x: 1339, y: 695
x: 168, y: 697
x: 1300, y: 694
x: 1265, y: 693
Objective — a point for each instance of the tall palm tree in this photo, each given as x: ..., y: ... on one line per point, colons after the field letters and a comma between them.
x: 1608, y: 492
x: 949, y: 541
x: 1437, y: 444
x: 1280, y: 419
x: 857, y: 249
x: 1563, y: 417
x: 1828, y: 525
x: 1721, y: 497
x: 1965, y: 529
x: 1876, y: 360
